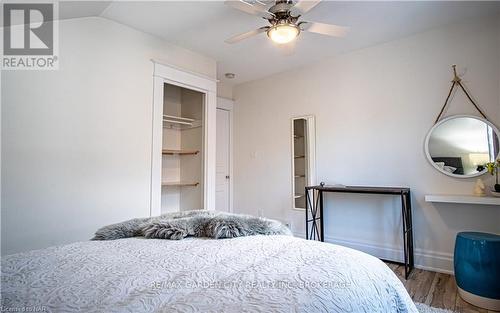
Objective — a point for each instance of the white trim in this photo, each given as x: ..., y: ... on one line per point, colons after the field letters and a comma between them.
x: 299, y: 234
x: 228, y: 105
x: 226, y: 98
x: 427, y: 138
x: 184, y: 78
x: 225, y: 104
x: 210, y: 141
x: 174, y: 67
x: 424, y: 259
x: 156, y: 147
x: 165, y: 74
x: 311, y: 153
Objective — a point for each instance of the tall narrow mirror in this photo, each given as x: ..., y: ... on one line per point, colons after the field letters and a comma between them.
x: 303, y: 158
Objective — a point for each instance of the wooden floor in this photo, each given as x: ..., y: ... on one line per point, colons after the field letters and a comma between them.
x: 434, y: 289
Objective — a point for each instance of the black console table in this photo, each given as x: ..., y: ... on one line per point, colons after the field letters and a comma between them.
x: 314, y: 214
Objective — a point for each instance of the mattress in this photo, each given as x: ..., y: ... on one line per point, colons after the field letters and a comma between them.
x: 246, y: 274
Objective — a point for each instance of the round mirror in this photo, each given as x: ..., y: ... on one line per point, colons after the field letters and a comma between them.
x: 460, y: 146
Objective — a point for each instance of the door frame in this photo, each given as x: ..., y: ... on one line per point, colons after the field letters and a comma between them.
x: 228, y: 105
x: 169, y: 74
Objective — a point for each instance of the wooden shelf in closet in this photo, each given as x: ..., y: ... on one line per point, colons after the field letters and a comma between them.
x: 180, y: 184
x: 179, y: 152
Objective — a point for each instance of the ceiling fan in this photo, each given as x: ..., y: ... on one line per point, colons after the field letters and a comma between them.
x: 283, y: 16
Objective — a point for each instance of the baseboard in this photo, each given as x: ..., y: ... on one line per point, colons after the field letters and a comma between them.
x: 427, y: 260
x: 299, y: 235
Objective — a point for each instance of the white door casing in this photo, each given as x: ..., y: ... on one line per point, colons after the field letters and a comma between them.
x: 173, y: 75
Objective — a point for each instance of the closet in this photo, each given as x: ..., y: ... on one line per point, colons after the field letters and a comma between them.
x: 182, y: 149
x: 183, y: 145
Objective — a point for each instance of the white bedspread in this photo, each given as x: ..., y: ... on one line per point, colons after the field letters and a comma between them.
x: 247, y: 274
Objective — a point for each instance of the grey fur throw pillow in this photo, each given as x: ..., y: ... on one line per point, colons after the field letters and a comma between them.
x: 197, y: 223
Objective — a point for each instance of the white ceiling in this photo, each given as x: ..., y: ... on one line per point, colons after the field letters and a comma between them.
x: 75, y: 9
x: 203, y: 26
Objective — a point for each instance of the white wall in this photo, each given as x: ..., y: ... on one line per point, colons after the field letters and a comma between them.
x: 373, y: 108
x: 76, y: 143
x: 224, y: 90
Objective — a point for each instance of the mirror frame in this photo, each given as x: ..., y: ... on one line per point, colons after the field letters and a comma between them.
x: 311, y: 153
x: 427, y: 138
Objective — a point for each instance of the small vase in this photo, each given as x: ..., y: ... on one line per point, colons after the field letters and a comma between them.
x: 497, y: 187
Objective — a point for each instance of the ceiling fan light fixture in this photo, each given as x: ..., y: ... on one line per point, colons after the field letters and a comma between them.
x: 283, y: 33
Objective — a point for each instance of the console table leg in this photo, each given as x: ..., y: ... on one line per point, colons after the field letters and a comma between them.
x: 321, y: 220
x: 410, y: 231
x: 405, y: 235
x: 307, y: 213
x: 312, y: 206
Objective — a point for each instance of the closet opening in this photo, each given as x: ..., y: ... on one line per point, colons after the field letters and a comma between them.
x: 303, y: 158
x: 182, y: 149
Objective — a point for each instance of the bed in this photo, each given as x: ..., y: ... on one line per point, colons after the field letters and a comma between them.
x: 245, y: 274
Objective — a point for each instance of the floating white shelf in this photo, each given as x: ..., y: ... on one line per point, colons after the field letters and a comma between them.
x: 180, y: 184
x: 463, y: 199
x: 179, y: 152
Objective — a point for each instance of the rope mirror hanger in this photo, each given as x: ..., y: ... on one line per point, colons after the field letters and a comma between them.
x: 457, y: 82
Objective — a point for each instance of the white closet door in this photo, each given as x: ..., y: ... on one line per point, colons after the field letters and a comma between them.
x: 222, y: 169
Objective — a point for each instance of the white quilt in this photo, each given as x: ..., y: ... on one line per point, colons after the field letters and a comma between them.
x: 246, y: 274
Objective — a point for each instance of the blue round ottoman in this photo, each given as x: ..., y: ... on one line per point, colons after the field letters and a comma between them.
x: 477, y: 268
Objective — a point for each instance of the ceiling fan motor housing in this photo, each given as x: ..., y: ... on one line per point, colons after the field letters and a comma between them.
x: 281, y: 13
x: 281, y: 7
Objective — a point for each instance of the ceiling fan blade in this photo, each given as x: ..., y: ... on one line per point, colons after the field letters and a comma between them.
x: 324, y: 29
x: 246, y: 35
x: 260, y: 3
x: 258, y: 9
x: 304, y: 6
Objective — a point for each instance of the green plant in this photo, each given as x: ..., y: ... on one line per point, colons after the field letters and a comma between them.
x: 493, y: 169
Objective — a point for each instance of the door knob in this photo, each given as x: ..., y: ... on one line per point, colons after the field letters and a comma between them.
x: 227, y: 176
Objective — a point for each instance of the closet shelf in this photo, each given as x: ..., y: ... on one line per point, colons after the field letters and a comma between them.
x: 299, y: 156
x: 179, y: 152
x: 297, y: 196
x: 178, y: 118
x: 180, y: 184
x: 177, y: 122
x: 300, y: 176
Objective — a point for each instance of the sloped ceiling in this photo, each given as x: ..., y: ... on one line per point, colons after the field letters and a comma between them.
x: 202, y: 26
